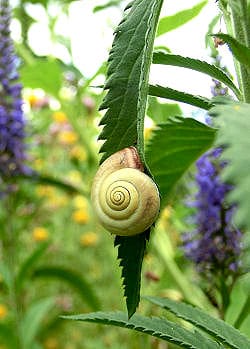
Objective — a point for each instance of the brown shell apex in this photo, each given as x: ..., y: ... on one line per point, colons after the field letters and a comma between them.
x: 129, y: 157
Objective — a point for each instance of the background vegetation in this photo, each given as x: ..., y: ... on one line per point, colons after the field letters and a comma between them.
x: 55, y: 257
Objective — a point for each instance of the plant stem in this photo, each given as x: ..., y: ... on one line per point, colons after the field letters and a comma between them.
x: 145, y: 68
x: 225, y: 294
x: 243, y: 314
x: 190, y: 292
x: 9, y: 242
x: 238, y: 25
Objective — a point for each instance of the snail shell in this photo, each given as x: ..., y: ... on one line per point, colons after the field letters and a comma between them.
x: 125, y: 199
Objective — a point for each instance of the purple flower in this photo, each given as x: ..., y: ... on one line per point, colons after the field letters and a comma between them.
x: 214, y: 246
x: 12, y: 134
x: 217, y: 89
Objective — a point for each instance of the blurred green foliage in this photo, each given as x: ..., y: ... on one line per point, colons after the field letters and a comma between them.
x: 55, y: 258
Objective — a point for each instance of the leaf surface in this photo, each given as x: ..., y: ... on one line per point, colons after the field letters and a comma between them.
x: 127, y: 84
x: 197, y: 65
x: 45, y: 74
x: 38, y: 178
x: 160, y: 112
x: 7, y: 336
x: 73, y: 278
x: 131, y: 252
x: 241, y: 52
x: 173, y: 148
x: 179, y: 96
x: 33, y: 318
x: 169, y: 23
x: 157, y: 327
x: 234, y: 130
x: 216, y: 327
x: 127, y: 77
x: 26, y: 267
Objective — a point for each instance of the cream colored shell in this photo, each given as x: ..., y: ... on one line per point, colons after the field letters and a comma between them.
x: 125, y: 200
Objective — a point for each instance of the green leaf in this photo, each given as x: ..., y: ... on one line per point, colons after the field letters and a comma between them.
x: 244, y: 313
x: 233, y: 134
x: 208, y: 40
x: 75, y: 280
x: 43, y: 2
x: 127, y: 84
x: 179, y: 96
x: 173, y: 149
x: 131, y: 252
x: 6, y: 275
x: 197, y: 65
x: 38, y: 178
x: 7, y: 336
x: 44, y: 74
x: 239, y: 307
x: 28, y: 264
x: 191, y: 292
x: 169, y: 23
x: 215, y: 327
x: 240, y: 52
x: 106, y: 5
x: 127, y: 78
x: 32, y: 320
x: 156, y: 327
x: 160, y: 112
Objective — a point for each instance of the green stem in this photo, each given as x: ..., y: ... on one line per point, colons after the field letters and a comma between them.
x: 240, y: 26
x: 190, y: 292
x: 245, y: 16
x: 243, y: 314
x: 225, y: 297
x: 145, y: 68
x: 10, y: 241
x: 237, y: 23
x: 73, y: 112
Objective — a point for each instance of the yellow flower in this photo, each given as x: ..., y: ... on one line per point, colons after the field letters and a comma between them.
x: 78, y: 152
x: 172, y: 294
x: 80, y: 201
x: 88, y: 239
x: 51, y: 343
x: 32, y: 100
x: 74, y: 177
x: 40, y: 234
x: 60, y: 117
x: 57, y: 201
x: 38, y: 164
x: 35, y: 98
x: 3, y: 311
x: 149, y: 126
x: 80, y: 216
x: 68, y: 137
x: 147, y: 132
x: 45, y: 191
x: 166, y: 213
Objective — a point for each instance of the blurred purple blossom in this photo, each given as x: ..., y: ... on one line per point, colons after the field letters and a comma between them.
x: 12, y: 134
x: 214, y: 246
x: 217, y: 89
x: 215, y: 243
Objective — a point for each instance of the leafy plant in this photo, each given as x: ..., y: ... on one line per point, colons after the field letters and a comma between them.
x: 50, y: 240
x: 176, y: 144
x: 223, y: 335
x: 125, y: 102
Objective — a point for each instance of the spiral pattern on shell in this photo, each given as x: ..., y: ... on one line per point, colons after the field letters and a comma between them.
x: 125, y: 199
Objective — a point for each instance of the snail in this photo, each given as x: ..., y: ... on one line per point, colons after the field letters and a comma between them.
x: 125, y: 200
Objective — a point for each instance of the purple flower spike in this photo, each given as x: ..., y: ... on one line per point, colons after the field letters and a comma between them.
x: 12, y: 124
x: 214, y: 246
